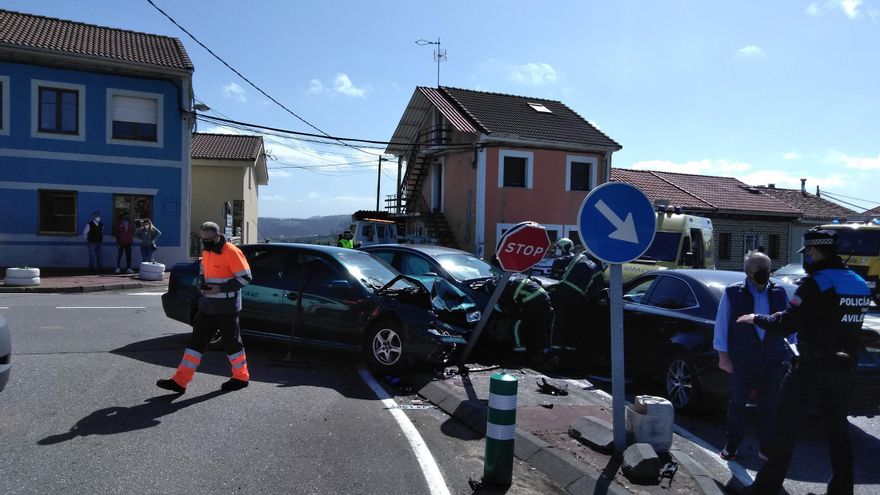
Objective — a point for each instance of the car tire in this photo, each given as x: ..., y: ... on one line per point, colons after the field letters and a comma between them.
x: 22, y: 272
x: 681, y: 382
x: 385, y: 348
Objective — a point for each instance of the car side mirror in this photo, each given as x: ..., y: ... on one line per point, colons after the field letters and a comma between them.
x: 339, y: 285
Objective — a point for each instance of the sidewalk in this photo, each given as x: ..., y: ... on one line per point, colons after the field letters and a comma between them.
x: 74, y: 280
x: 542, y: 437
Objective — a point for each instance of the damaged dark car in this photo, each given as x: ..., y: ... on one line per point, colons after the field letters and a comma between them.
x: 339, y: 298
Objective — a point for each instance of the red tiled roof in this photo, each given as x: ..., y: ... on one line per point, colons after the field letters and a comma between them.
x: 810, y: 205
x: 504, y: 115
x: 460, y: 122
x: 704, y: 192
x: 873, y: 211
x: 58, y: 35
x: 226, y: 146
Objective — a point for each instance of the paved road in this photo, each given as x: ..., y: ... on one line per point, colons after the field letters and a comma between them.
x: 81, y: 414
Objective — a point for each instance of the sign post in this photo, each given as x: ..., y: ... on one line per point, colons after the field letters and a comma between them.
x: 518, y: 249
x: 617, y: 224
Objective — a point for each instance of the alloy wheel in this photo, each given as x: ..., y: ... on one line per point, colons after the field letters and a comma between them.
x: 679, y: 383
x: 387, y: 347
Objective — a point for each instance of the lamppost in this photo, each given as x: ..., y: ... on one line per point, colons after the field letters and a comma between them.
x: 439, y: 54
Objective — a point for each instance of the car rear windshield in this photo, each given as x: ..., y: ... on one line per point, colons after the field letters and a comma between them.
x: 858, y: 242
x: 466, y: 267
x: 664, y: 247
x: 373, y: 272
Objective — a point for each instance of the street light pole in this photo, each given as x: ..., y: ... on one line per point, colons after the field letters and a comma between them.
x: 379, y: 181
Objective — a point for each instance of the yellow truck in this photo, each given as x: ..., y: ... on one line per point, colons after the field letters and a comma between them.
x: 858, y: 242
x: 680, y: 241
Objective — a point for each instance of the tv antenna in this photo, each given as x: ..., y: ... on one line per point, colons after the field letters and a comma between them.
x: 439, y: 54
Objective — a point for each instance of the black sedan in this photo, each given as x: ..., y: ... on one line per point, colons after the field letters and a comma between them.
x: 669, y: 319
x: 332, y: 298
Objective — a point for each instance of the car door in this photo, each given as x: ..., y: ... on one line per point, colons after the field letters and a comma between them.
x: 262, y: 297
x: 328, y: 301
x: 636, y: 318
x: 669, y: 302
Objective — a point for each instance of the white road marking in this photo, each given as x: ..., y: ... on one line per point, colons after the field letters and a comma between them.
x: 145, y: 294
x: 433, y: 476
x: 4, y: 307
x: 100, y: 307
x: 736, y: 469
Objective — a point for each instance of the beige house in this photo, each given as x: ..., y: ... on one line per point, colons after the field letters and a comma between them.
x: 227, y: 171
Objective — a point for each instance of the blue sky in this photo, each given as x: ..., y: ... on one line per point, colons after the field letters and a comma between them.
x: 768, y: 92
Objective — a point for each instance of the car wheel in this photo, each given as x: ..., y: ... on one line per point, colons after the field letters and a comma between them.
x: 682, y: 384
x: 385, y: 348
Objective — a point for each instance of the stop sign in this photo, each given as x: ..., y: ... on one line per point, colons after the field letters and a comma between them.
x: 521, y: 247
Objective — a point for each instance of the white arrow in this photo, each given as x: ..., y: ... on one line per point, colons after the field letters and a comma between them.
x: 626, y: 229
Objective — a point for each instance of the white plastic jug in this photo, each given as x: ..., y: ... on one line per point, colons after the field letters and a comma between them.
x: 649, y: 420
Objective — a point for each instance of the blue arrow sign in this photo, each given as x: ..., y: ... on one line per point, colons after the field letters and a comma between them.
x: 617, y: 222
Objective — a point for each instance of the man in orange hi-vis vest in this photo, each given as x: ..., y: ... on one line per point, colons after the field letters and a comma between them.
x: 222, y: 273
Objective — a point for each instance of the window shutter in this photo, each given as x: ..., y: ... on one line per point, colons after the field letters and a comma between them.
x: 136, y: 110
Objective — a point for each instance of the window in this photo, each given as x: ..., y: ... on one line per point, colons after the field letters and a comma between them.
x: 672, y: 293
x: 749, y: 243
x: 58, y: 110
x: 724, y: 246
x: 635, y: 294
x: 414, y: 265
x: 386, y: 256
x: 539, y: 107
x: 57, y: 212
x: 4, y: 105
x: 272, y: 268
x: 134, y: 118
x: 580, y: 173
x: 515, y: 169
x: 137, y: 207
x: 774, y: 247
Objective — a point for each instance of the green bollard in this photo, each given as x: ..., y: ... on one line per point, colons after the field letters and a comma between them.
x: 500, y: 430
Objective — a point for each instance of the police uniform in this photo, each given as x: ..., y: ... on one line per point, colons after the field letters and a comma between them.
x: 827, y: 311
x: 575, y: 301
x: 529, y: 305
x: 557, y: 269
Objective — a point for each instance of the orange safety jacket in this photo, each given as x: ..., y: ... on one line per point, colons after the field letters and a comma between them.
x: 227, y: 267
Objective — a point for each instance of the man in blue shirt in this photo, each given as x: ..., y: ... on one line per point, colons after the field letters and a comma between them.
x: 752, y: 357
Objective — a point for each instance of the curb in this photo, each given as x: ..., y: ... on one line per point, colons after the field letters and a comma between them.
x: 559, y: 466
x: 74, y: 289
x: 705, y: 481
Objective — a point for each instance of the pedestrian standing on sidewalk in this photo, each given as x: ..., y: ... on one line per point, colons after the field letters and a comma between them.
x: 124, y: 233
x: 223, y: 271
x: 753, y: 357
x: 148, y: 234
x: 94, y: 234
x: 827, y: 311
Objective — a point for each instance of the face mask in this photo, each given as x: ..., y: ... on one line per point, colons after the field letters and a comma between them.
x: 209, y: 245
x: 97, y: 219
x: 762, y: 276
x: 808, y: 263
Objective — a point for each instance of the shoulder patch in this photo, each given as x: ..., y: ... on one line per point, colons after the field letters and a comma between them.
x: 795, y: 301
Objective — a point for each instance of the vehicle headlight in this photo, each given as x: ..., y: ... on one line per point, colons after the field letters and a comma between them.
x: 474, y: 316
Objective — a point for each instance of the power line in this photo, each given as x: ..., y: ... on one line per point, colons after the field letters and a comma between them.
x: 844, y: 202
x: 239, y: 74
x: 850, y: 197
x: 282, y: 133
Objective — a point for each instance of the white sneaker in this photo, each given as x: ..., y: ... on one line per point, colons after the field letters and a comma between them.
x: 129, y: 271
x: 116, y: 271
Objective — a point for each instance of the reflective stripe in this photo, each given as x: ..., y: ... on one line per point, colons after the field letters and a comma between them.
x: 195, y: 354
x: 217, y: 280
x: 189, y: 364
x: 243, y: 280
x: 502, y: 402
x: 533, y: 295
x: 243, y: 273
x: 500, y: 432
x: 222, y: 295
x: 238, y: 365
x: 233, y: 357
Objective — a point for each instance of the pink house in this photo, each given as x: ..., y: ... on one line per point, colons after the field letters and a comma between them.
x: 477, y: 163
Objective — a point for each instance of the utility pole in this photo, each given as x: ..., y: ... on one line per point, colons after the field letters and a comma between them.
x: 379, y: 181
x: 439, y: 54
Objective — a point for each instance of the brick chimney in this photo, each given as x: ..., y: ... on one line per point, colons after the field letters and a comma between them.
x: 804, y: 187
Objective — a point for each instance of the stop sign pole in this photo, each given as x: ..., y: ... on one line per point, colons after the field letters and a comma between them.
x: 518, y: 249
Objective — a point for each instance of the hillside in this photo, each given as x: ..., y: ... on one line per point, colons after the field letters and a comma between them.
x: 302, y: 229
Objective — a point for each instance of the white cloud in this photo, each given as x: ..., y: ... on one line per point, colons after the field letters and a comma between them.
x: 235, y: 92
x: 813, y: 9
x: 343, y: 85
x: 791, y: 155
x: 854, y: 162
x: 703, y: 167
x: 744, y: 172
x: 273, y: 197
x: 276, y: 173
x: 315, y: 87
x: 751, y: 51
x: 314, y: 197
x: 534, y: 74
x: 850, y: 8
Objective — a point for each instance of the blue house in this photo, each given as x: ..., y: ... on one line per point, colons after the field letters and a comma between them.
x: 91, y: 119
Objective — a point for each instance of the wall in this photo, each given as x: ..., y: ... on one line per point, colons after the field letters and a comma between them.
x: 211, y: 187
x: 739, y: 229
x: 89, y: 165
x: 460, y: 199
x: 251, y: 207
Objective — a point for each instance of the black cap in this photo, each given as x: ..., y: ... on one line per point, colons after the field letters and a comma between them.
x: 826, y: 238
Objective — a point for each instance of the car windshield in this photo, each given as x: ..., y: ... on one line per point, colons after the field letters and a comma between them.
x: 465, y: 267
x: 664, y: 247
x: 858, y: 242
x: 788, y: 270
x: 373, y: 272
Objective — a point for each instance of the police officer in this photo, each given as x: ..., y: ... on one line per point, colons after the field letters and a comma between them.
x: 576, y: 301
x: 346, y: 240
x: 561, y: 263
x: 827, y: 312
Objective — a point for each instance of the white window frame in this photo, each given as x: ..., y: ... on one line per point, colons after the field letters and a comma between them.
x: 560, y: 233
x: 502, y: 226
x: 530, y: 160
x: 4, y: 125
x: 573, y: 228
x: 35, y: 110
x: 160, y: 120
x: 594, y: 165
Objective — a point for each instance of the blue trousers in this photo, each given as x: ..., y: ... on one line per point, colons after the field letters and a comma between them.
x: 147, y: 252
x: 95, y: 259
x: 748, y: 375
x: 803, y: 386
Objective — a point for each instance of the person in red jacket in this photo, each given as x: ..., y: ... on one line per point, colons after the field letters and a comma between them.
x: 124, y: 234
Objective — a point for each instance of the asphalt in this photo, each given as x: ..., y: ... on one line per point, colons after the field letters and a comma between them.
x: 543, y: 421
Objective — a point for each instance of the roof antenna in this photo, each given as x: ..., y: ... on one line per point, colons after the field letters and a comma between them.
x: 439, y: 55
